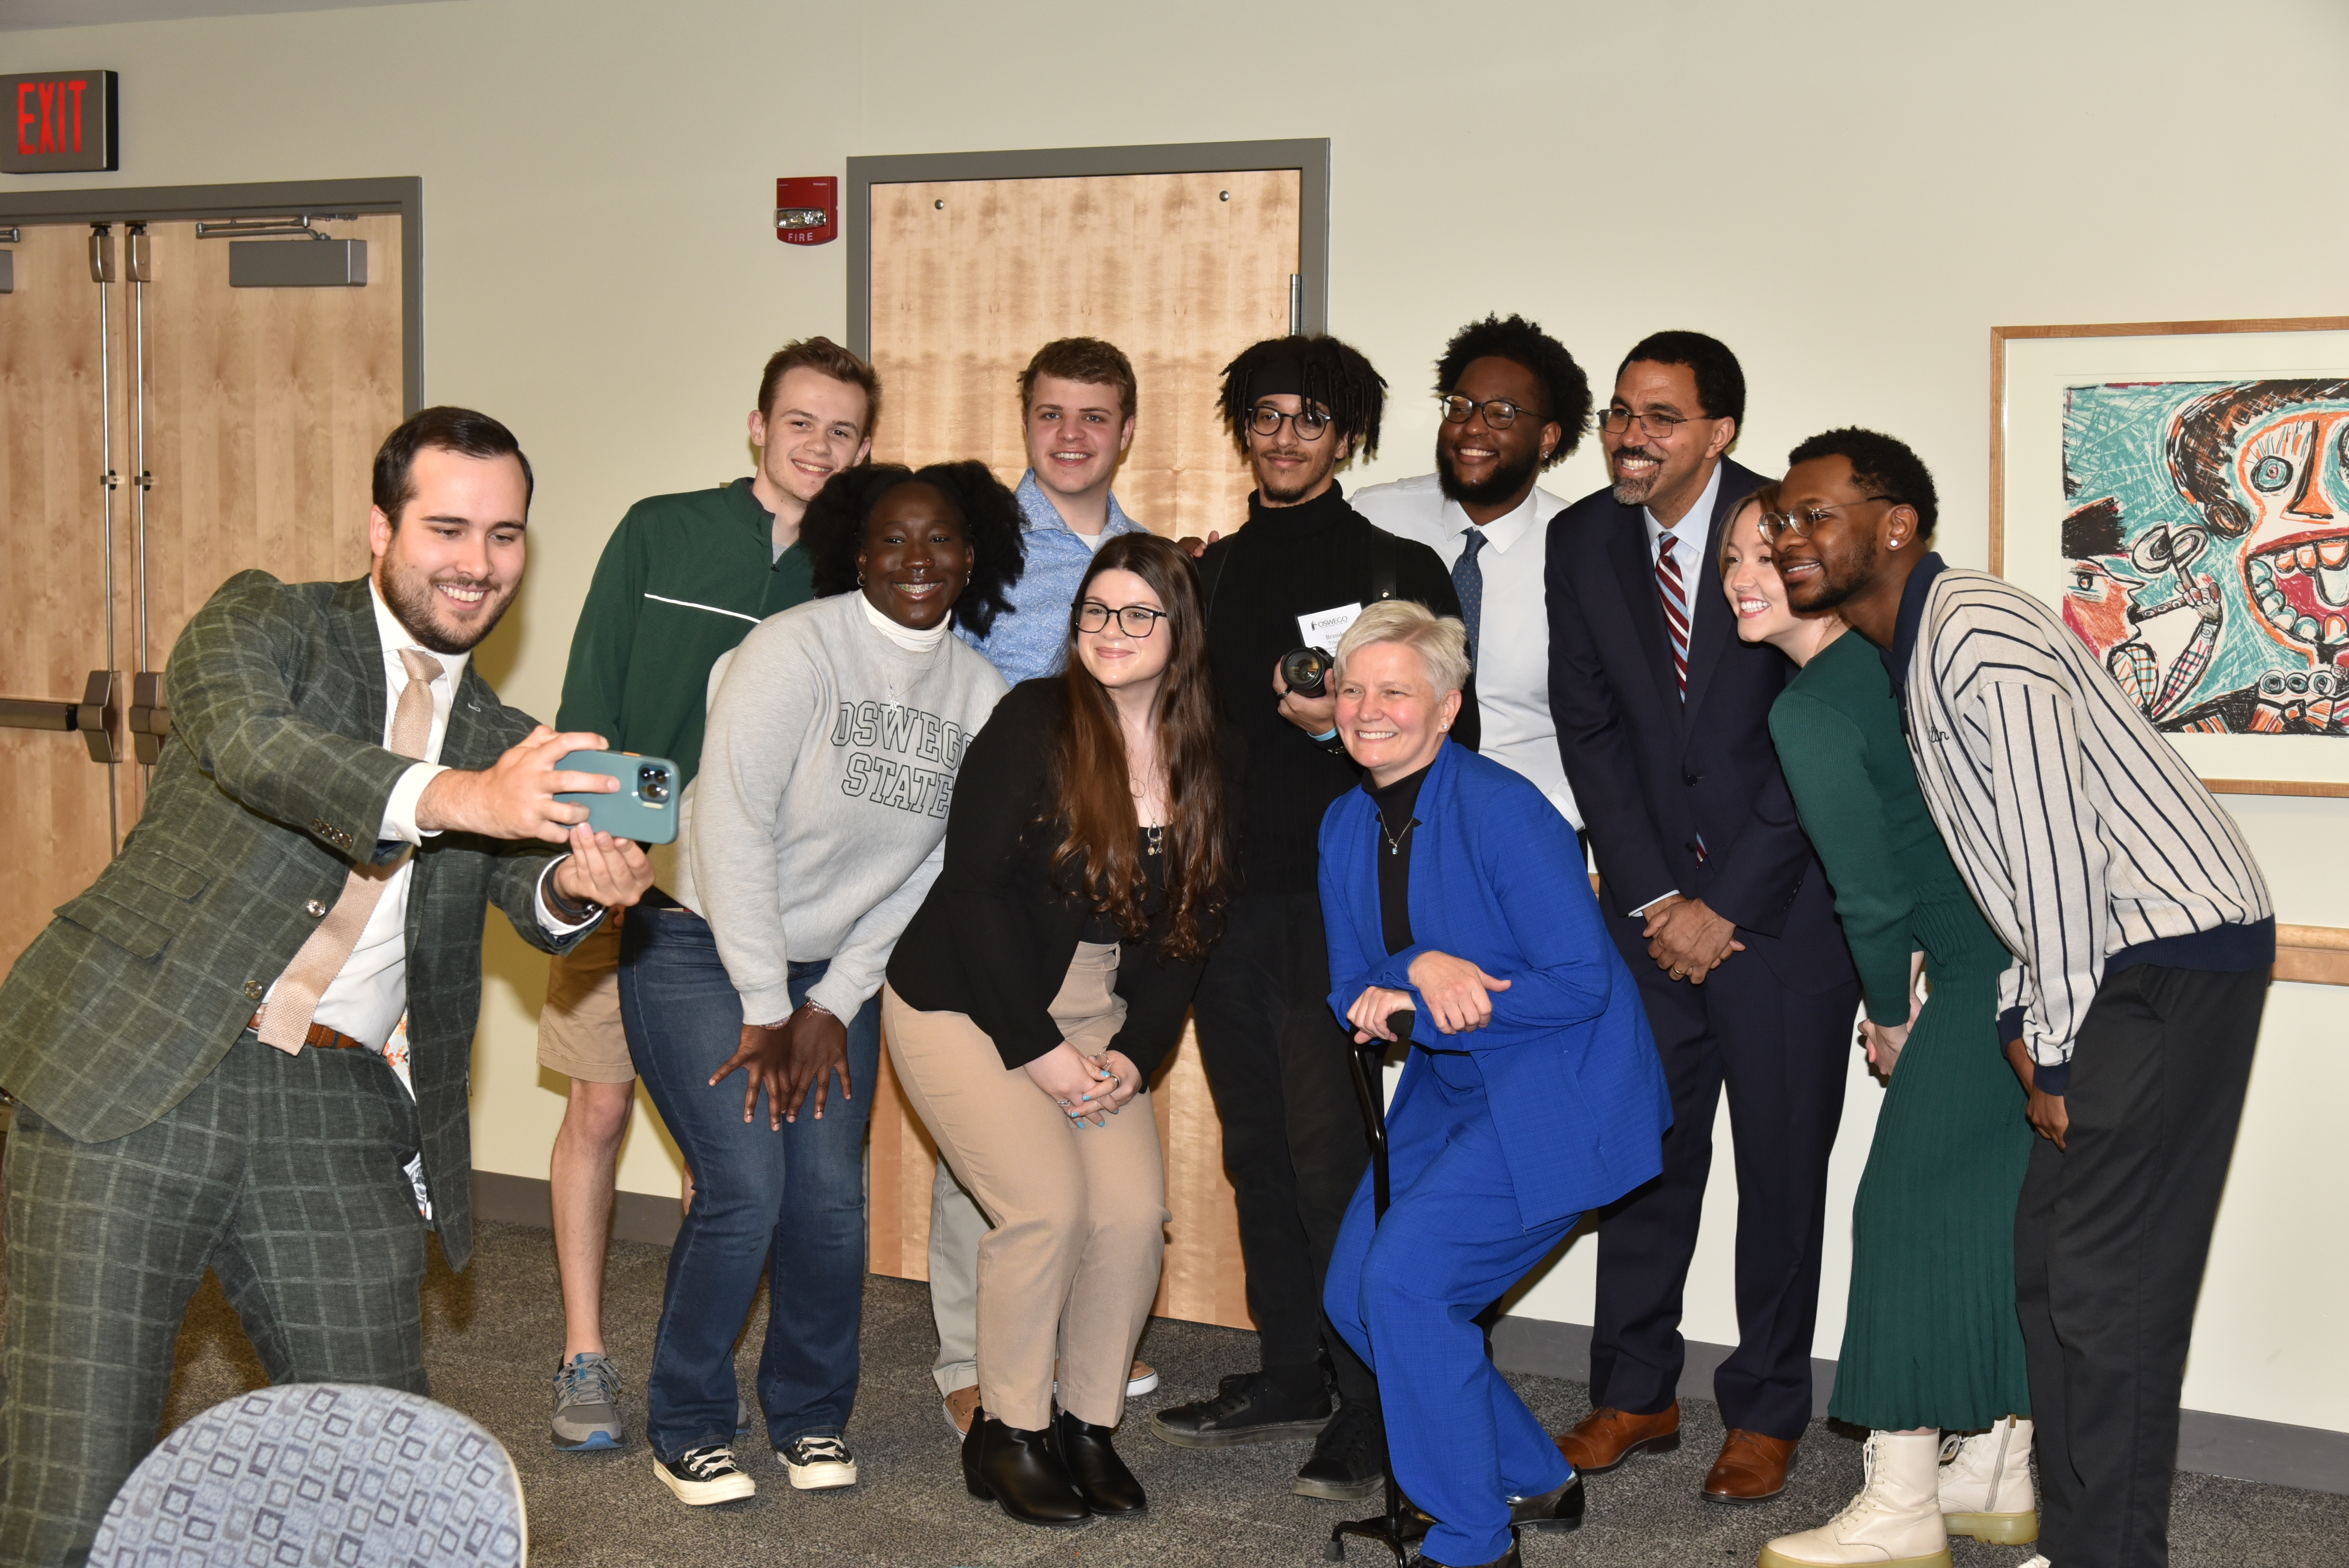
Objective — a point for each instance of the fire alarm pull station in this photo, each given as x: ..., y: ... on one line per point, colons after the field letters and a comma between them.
x: 807, y: 212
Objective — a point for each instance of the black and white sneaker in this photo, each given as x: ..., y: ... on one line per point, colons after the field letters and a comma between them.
x: 700, y: 1477
x: 815, y: 1463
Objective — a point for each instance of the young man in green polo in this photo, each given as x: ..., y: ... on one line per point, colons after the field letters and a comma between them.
x: 682, y: 581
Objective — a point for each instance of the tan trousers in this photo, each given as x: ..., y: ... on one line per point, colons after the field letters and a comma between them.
x: 1079, y: 1213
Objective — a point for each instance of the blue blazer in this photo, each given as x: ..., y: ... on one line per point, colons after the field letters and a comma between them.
x: 1571, y: 1072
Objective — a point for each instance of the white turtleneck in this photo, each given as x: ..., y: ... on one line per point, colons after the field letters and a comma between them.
x: 906, y: 637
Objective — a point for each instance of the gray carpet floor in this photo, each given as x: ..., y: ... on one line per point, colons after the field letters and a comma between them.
x: 492, y: 1335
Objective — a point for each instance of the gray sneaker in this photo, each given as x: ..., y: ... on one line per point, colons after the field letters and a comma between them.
x: 588, y: 1403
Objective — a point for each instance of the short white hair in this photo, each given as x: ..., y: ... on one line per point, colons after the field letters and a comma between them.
x: 1441, y: 641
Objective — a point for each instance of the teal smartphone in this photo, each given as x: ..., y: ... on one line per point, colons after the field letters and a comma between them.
x: 645, y: 806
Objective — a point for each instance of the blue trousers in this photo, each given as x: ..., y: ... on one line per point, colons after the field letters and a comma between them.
x: 790, y: 1204
x: 1404, y: 1293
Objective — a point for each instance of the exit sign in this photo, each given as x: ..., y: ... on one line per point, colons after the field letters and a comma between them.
x: 57, y: 122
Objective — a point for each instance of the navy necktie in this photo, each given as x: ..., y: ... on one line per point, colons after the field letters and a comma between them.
x: 1468, y: 582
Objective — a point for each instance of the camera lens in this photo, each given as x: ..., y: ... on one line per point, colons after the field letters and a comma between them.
x: 652, y: 783
x: 1302, y: 669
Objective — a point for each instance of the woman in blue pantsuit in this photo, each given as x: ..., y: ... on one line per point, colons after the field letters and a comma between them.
x: 1451, y: 886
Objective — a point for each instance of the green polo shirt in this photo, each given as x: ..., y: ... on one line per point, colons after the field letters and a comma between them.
x: 683, y: 579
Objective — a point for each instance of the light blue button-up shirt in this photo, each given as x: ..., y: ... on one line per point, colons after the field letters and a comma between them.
x: 1029, y: 638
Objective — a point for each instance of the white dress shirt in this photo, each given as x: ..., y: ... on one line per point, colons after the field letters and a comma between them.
x: 369, y: 994
x: 1689, y: 537
x: 1512, y: 626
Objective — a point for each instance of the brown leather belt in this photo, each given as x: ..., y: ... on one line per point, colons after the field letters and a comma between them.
x: 324, y: 1039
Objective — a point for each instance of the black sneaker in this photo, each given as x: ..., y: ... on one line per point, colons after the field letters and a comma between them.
x: 817, y: 1463
x: 1249, y: 1407
x: 700, y: 1477
x: 1350, y: 1457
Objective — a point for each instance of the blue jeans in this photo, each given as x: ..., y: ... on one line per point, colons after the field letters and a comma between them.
x: 1406, y: 1291
x: 793, y: 1200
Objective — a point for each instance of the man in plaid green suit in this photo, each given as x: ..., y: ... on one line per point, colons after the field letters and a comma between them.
x: 196, y: 1042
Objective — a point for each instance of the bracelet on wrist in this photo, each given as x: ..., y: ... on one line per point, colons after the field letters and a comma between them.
x: 813, y: 1005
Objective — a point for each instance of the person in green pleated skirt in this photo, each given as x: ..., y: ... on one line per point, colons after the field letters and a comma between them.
x: 1931, y: 1340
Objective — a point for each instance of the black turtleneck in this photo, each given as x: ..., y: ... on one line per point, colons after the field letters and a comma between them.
x: 1290, y: 561
x: 1396, y: 802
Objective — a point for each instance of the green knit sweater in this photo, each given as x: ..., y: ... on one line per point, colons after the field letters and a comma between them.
x: 683, y: 579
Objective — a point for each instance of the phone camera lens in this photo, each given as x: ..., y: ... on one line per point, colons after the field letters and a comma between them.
x: 652, y: 784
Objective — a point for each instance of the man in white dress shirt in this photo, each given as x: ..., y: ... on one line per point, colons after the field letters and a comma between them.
x: 197, y: 1043
x: 1514, y: 403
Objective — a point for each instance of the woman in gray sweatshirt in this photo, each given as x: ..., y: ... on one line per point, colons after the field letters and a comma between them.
x: 834, y: 736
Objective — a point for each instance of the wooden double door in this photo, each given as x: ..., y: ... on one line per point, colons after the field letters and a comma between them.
x: 970, y: 277
x: 159, y: 431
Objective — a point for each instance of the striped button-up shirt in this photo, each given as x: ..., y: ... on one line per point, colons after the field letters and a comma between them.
x: 2082, y: 832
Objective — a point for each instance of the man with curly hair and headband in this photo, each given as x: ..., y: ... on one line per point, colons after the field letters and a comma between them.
x: 1296, y: 576
x: 807, y: 840
x: 1513, y: 404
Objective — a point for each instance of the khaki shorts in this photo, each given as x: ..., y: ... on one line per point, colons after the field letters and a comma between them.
x: 579, y: 1032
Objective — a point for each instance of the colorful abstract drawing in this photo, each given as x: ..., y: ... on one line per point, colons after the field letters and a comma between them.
x: 2208, y: 549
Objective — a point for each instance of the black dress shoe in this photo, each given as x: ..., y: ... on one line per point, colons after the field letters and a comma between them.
x: 1108, y: 1488
x: 1508, y: 1559
x: 1249, y: 1407
x: 1558, y: 1510
x: 1350, y: 1457
x: 1022, y: 1471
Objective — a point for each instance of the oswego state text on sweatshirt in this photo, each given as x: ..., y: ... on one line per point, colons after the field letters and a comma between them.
x: 817, y: 822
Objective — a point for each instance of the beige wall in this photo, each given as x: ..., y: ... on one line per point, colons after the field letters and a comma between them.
x: 1851, y: 194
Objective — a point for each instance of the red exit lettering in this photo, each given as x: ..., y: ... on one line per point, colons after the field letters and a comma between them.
x: 49, y: 115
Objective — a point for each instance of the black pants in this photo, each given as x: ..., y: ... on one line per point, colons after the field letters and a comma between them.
x: 1782, y: 1056
x: 1294, y: 1145
x: 2109, y: 1243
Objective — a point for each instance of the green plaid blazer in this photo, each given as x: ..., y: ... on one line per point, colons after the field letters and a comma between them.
x: 272, y: 786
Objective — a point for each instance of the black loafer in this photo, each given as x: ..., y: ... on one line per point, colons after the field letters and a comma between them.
x: 1108, y: 1488
x: 1556, y: 1511
x: 1021, y: 1472
x: 1249, y: 1407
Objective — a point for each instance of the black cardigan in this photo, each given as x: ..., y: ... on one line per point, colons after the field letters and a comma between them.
x: 994, y: 938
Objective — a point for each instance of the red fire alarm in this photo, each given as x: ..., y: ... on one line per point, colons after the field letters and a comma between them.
x: 807, y: 212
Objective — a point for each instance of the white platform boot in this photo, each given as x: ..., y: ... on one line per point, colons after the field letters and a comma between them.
x: 1986, y: 1486
x: 1894, y: 1522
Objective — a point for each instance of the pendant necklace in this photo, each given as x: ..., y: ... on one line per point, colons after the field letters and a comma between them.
x: 1395, y: 841
x: 1156, y: 835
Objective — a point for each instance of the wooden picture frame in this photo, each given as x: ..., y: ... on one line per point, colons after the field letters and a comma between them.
x: 2122, y: 440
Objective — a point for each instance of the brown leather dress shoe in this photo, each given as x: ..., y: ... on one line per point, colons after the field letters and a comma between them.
x: 1606, y: 1437
x: 1751, y: 1469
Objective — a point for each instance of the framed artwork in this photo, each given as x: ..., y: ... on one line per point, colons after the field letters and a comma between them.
x: 2180, y: 492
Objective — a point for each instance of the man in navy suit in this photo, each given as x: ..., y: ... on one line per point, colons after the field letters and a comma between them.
x: 1720, y: 907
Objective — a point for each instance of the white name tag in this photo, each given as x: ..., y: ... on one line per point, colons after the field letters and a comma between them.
x: 1323, y: 628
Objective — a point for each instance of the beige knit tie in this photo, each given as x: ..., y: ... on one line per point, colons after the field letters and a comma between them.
x: 286, y: 1021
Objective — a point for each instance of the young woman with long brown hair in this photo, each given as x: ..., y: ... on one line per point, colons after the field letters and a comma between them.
x: 1088, y: 859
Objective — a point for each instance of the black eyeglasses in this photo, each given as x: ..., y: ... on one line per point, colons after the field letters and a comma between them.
x: 1775, y: 525
x: 1265, y: 419
x: 1615, y: 421
x: 1499, y: 412
x: 1134, y: 620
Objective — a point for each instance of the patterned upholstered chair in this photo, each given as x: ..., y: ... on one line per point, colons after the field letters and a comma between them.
x: 324, y: 1473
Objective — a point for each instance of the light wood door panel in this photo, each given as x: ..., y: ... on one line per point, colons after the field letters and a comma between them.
x: 262, y: 411
x: 51, y: 462
x: 1182, y: 271
x: 1160, y: 264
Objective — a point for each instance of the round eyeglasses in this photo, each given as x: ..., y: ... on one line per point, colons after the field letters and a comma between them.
x: 1265, y: 419
x: 1499, y: 412
x: 1777, y: 525
x: 1134, y: 620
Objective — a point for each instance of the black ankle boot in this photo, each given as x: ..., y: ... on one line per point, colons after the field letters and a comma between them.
x: 1021, y: 1472
x: 1107, y: 1486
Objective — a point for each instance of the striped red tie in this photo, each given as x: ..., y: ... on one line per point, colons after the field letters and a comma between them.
x: 1670, y: 588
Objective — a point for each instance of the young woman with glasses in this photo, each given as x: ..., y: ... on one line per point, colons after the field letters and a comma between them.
x: 1045, y: 977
